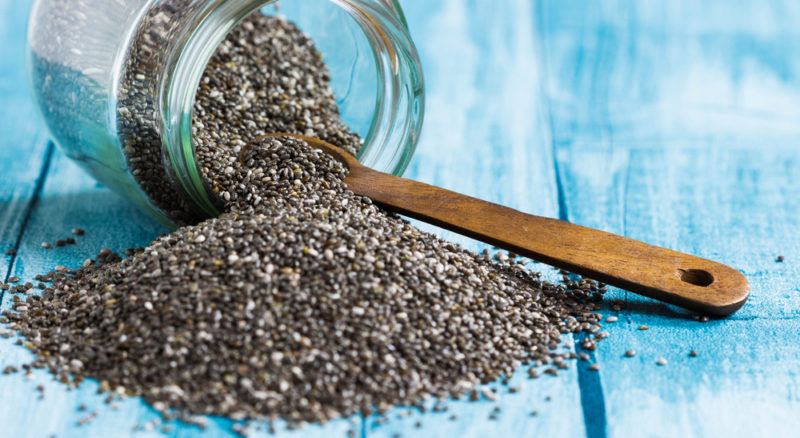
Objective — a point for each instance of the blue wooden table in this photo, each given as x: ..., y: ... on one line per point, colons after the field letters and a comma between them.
x: 675, y: 122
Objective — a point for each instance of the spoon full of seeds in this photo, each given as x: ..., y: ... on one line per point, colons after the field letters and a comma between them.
x: 677, y: 278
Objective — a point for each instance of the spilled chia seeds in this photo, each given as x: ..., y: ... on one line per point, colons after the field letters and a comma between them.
x: 303, y: 301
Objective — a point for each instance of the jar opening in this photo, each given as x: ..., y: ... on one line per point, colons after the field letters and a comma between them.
x: 377, y: 79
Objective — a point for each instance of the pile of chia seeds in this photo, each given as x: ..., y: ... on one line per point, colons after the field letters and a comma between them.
x: 303, y: 301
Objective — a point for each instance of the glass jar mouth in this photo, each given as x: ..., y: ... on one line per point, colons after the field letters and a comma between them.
x: 399, y: 99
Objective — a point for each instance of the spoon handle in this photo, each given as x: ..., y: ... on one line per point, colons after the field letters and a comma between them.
x: 691, y: 282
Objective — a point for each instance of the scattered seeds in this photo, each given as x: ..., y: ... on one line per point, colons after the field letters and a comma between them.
x: 661, y: 361
x: 692, y: 353
x: 644, y: 327
x: 779, y: 259
x: 612, y: 319
x: 630, y: 353
x: 594, y: 367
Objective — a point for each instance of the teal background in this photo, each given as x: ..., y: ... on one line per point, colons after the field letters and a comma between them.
x: 673, y: 122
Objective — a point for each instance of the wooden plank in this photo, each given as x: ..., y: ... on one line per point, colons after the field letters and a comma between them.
x: 486, y: 135
x: 745, y: 379
x: 22, y: 145
x: 675, y: 123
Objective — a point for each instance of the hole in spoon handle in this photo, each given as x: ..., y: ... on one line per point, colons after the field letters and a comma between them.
x: 697, y: 277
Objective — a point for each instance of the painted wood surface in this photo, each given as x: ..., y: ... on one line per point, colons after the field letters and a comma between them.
x: 671, y: 122
x: 676, y: 123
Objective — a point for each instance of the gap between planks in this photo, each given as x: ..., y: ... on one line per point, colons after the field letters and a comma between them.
x: 28, y: 210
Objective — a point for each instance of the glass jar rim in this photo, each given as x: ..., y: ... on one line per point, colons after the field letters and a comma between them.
x: 399, y: 107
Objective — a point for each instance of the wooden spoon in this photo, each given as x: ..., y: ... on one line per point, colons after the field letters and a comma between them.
x: 691, y: 282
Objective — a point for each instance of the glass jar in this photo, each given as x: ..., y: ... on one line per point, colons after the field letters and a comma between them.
x: 81, y: 53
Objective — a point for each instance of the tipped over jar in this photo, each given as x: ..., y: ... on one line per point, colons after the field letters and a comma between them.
x: 116, y: 82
